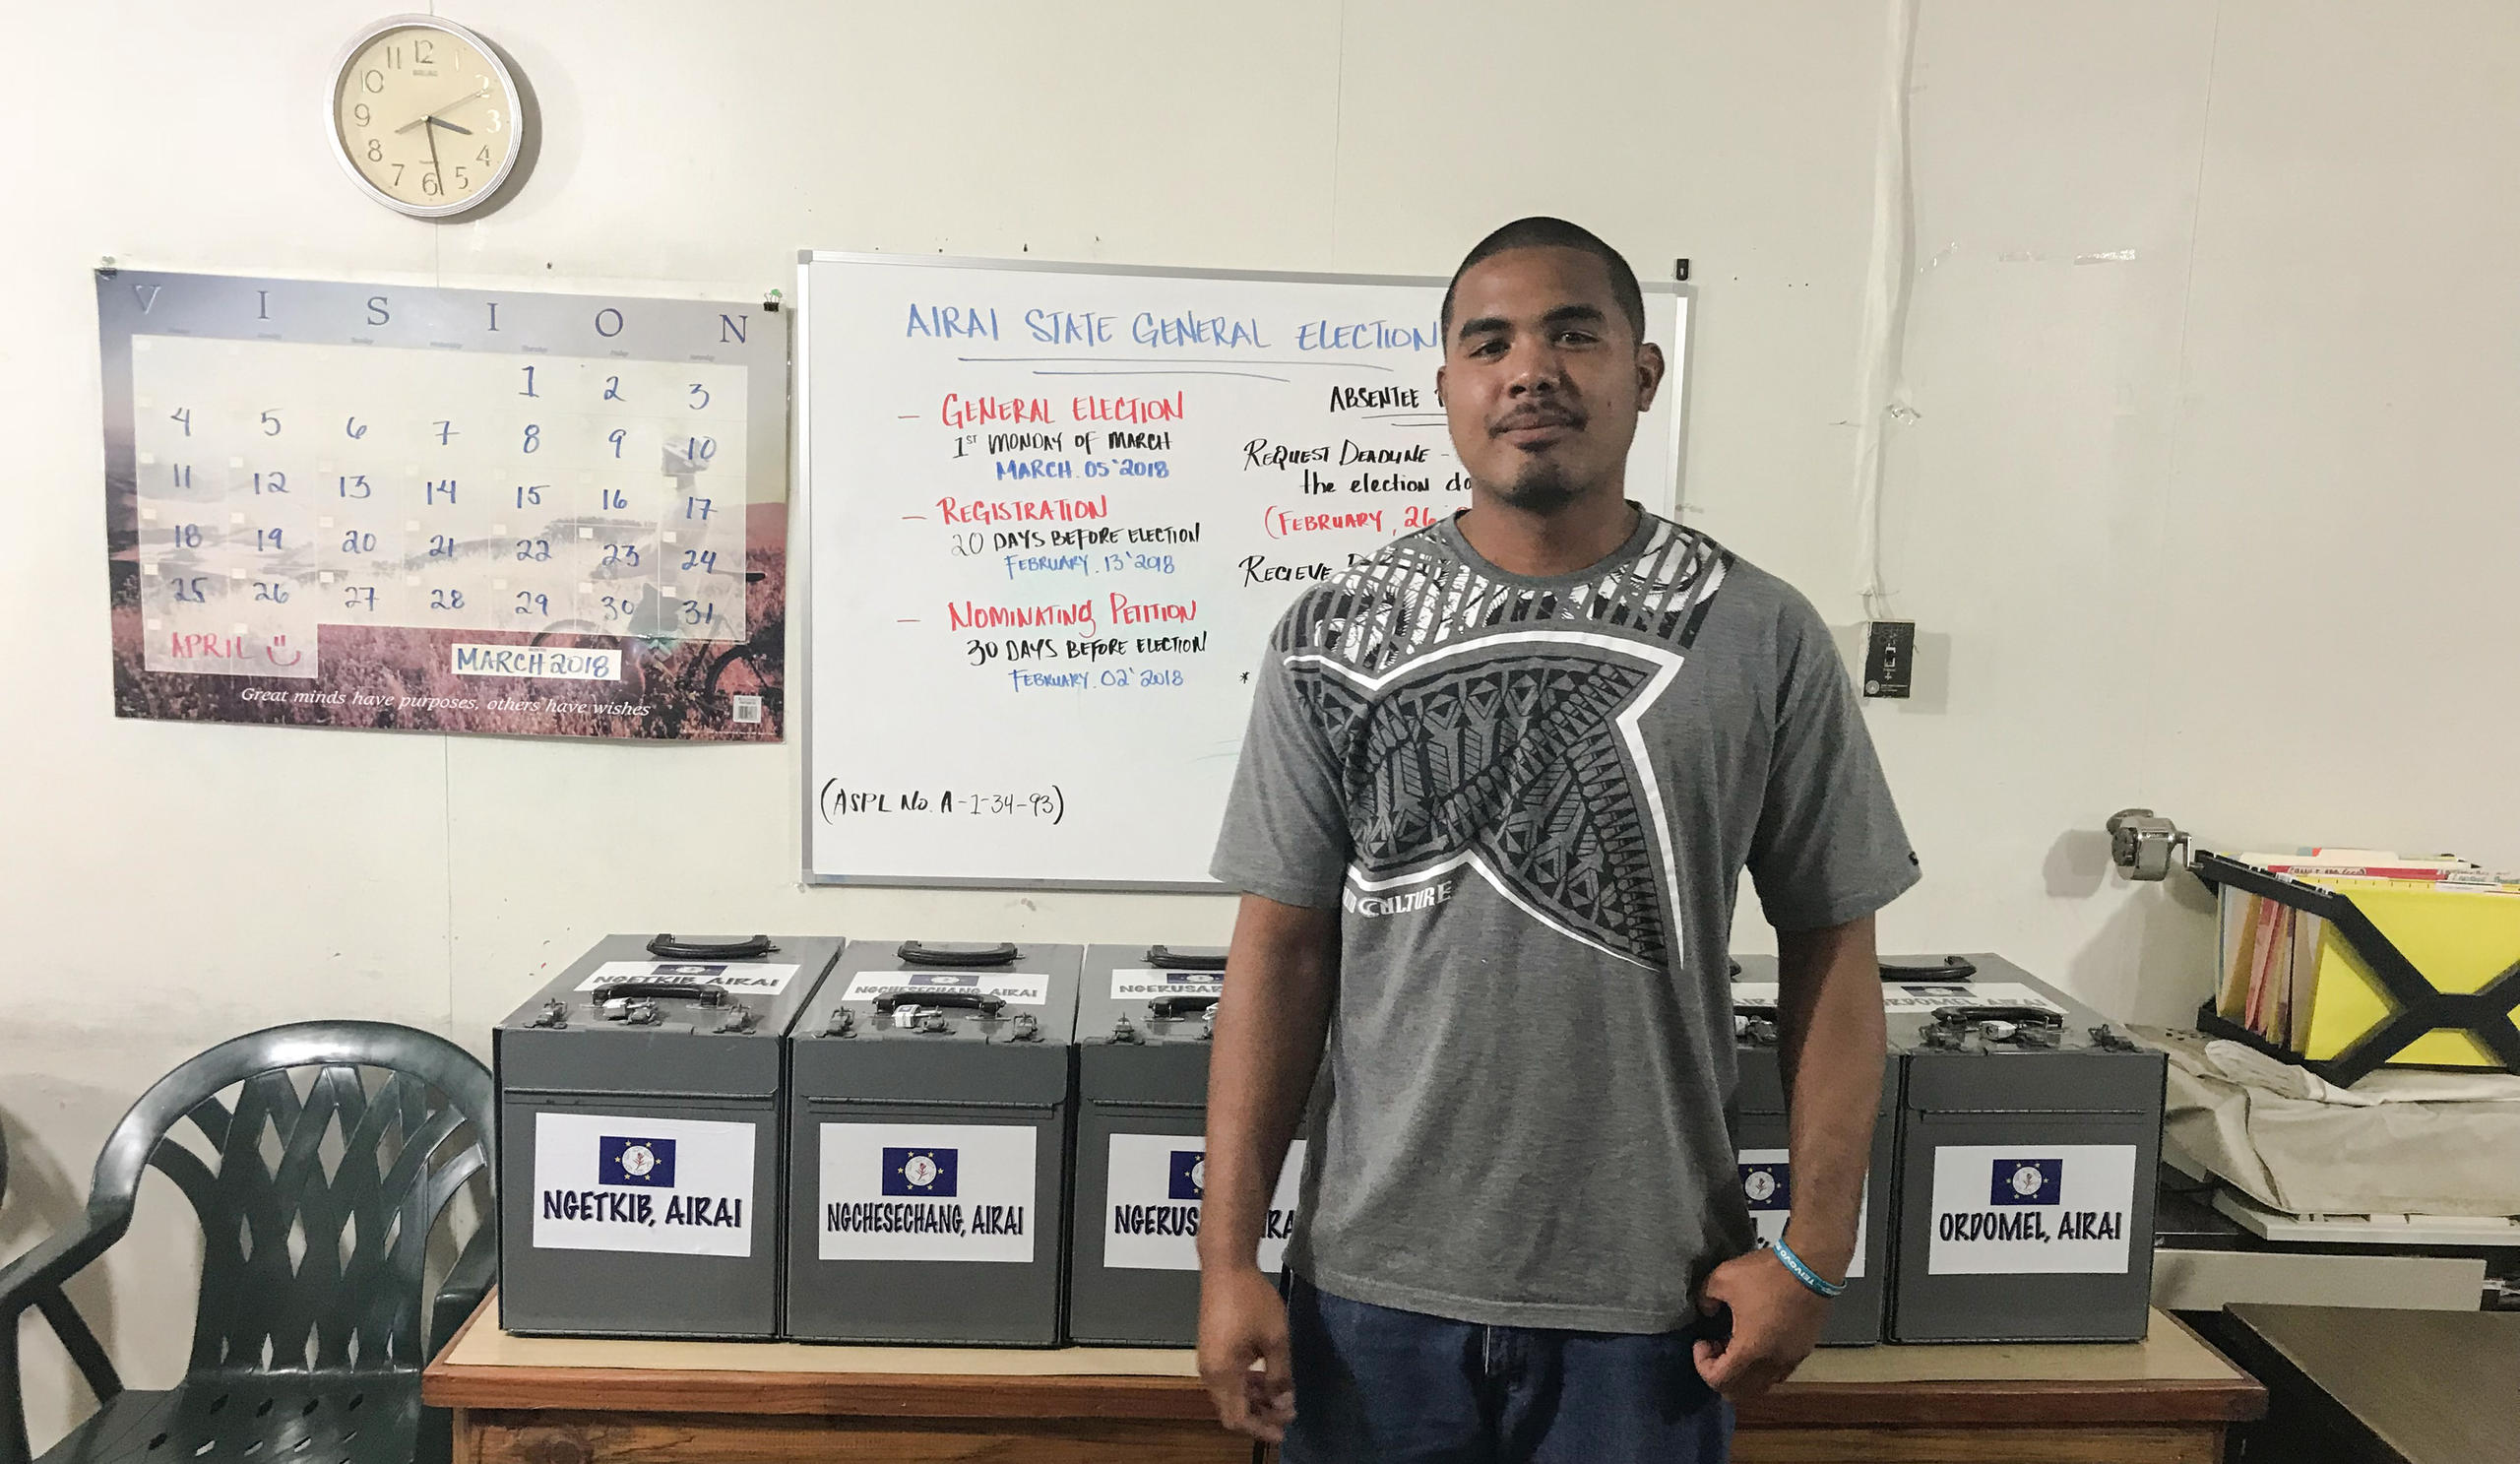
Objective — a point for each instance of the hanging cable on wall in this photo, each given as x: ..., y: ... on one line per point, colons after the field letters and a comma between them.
x: 1889, y: 283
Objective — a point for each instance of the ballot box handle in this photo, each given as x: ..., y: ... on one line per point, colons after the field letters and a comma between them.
x: 1163, y: 1008
x: 1164, y: 958
x: 670, y: 948
x: 987, y: 1003
x: 708, y: 993
x: 1995, y: 1011
x: 913, y: 953
x: 1948, y: 969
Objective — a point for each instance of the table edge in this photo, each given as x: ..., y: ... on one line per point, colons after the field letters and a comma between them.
x: 1996, y: 1402
x: 2006, y: 1402
x: 1987, y: 1401
x: 582, y: 1390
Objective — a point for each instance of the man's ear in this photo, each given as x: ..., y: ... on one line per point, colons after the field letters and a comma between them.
x: 1439, y: 386
x: 1649, y: 374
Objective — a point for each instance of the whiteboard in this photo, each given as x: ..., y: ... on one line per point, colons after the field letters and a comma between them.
x: 1055, y: 512
x: 504, y: 511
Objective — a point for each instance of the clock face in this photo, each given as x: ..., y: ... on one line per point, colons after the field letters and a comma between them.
x: 425, y: 116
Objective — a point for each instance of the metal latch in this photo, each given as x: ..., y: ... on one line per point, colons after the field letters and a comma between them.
x: 841, y: 1023
x: 1123, y: 1030
x: 2109, y: 1039
x: 638, y: 1011
x: 1028, y: 1028
x: 739, y: 1019
x: 554, y: 1013
x: 2143, y: 843
x: 933, y: 1021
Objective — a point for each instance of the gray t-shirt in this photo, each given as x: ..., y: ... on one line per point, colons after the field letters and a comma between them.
x: 1532, y: 800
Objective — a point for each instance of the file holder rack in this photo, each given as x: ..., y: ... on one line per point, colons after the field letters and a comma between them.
x: 2420, y: 1007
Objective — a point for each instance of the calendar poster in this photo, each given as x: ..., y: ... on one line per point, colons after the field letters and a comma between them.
x: 445, y: 510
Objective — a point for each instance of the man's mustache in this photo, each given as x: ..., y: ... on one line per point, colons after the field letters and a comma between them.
x: 1536, y: 416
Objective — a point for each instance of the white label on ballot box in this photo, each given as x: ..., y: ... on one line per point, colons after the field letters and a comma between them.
x: 1158, y: 1181
x: 676, y: 1186
x: 2031, y: 1209
x: 1147, y: 984
x: 1019, y: 988
x: 750, y: 977
x: 927, y: 1192
x: 1917, y: 997
x: 1767, y: 1184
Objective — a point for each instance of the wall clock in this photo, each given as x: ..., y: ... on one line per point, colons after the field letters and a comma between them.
x: 427, y: 116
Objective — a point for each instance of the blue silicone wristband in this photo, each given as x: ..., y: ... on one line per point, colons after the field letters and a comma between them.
x: 1803, y: 1273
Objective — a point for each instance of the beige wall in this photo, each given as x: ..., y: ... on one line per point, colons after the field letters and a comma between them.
x: 2214, y: 523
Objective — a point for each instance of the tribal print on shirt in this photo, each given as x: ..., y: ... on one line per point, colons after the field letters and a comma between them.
x: 1488, y: 726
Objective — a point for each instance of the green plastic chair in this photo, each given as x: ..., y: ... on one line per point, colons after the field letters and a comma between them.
x: 308, y: 1360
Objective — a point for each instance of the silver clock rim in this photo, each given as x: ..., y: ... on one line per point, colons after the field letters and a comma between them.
x: 340, y: 144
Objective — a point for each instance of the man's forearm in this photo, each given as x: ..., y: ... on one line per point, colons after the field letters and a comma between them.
x: 1830, y: 1020
x: 1271, y: 1021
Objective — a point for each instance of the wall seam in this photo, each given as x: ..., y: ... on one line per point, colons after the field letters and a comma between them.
x: 445, y: 740
x: 1337, y: 129
x: 446, y: 813
x: 2173, y: 468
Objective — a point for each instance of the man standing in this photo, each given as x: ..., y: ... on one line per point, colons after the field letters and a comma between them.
x: 1500, y: 783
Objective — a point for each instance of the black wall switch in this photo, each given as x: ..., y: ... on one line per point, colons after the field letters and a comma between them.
x: 1889, y: 657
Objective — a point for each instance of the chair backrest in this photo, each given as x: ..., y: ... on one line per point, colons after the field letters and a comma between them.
x: 310, y: 1264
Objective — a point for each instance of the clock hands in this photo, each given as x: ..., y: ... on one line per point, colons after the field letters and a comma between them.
x: 434, y: 170
x: 444, y: 106
x: 437, y: 121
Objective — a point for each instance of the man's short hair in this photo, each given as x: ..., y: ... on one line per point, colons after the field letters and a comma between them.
x: 1539, y: 231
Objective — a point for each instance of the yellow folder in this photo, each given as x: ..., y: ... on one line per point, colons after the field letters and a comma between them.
x: 2457, y: 939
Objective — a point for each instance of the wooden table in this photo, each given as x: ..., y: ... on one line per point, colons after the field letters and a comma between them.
x: 2383, y: 1387
x: 540, y: 1400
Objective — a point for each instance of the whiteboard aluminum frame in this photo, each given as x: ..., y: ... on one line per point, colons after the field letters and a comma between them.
x: 800, y: 516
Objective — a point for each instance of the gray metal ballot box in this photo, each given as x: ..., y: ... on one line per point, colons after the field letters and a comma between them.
x: 927, y: 1145
x: 2028, y: 1135
x: 640, y: 1137
x: 1142, y: 1028
x: 1760, y: 1137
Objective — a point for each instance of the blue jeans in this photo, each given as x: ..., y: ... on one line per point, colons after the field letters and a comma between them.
x: 1375, y: 1385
